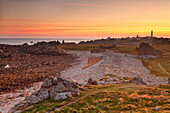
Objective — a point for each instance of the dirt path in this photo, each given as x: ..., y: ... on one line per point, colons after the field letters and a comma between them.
x: 119, y: 64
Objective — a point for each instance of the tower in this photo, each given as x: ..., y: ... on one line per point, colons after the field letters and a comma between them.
x: 151, y: 33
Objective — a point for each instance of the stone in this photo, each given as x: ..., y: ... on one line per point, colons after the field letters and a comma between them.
x: 43, y: 94
x: 16, y: 107
x: 19, y: 111
x: 147, y: 52
x: 29, y: 107
x: 115, y: 79
x: 48, y: 82
x: 156, y: 109
x: 92, y: 82
x: 60, y: 89
x: 148, y: 57
x: 137, y: 80
x: 59, y: 96
x: 32, y: 99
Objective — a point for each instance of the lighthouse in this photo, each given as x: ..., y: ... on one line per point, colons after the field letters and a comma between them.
x: 151, y: 33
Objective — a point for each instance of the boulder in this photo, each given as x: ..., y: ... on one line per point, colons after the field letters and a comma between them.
x: 53, y: 88
x: 137, y: 80
x: 43, y: 94
x: 32, y: 99
x: 59, y: 96
x: 145, y: 51
x: 92, y: 82
x: 47, y: 83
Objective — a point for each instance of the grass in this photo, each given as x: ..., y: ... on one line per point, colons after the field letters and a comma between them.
x: 111, y: 99
x: 120, y: 98
x: 78, y: 47
x: 158, y: 67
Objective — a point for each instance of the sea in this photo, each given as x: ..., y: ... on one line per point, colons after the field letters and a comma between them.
x: 30, y: 41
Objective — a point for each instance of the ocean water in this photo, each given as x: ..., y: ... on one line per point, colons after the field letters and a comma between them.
x: 19, y: 41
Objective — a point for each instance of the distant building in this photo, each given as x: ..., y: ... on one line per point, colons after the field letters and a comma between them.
x: 151, y: 33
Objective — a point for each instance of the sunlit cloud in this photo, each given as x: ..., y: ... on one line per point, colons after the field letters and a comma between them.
x: 96, y: 5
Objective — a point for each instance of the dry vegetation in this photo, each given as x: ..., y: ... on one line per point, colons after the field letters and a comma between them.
x: 28, y: 69
x: 120, y: 98
x: 111, y: 98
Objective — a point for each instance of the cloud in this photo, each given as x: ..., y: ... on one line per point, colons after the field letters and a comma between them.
x: 96, y: 5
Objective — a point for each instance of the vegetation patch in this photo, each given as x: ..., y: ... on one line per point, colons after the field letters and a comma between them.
x: 110, y: 98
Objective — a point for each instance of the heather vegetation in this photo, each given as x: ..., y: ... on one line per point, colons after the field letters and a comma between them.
x: 110, y: 98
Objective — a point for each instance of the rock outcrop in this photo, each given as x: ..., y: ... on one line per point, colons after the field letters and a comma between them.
x: 91, y: 82
x: 54, y: 88
x: 137, y: 80
x: 145, y: 51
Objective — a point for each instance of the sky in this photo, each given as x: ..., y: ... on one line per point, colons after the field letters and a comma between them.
x: 83, y: 18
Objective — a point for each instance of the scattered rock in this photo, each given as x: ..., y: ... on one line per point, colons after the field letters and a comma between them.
x: 43, y: 94
x: 29, y: 107
x: 32, y: 99
x: 7, y: 66
x: 64, y: 95
x: 92, y: 82
x: 148, y: 57
x: 53, y: 88
x: 48, y: 82
x: 147, y: 52
x: 137, y: 80
x: 19, y: 111
x: 156, y: 109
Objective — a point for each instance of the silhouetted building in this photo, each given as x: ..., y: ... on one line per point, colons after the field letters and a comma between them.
x: 151, y: 33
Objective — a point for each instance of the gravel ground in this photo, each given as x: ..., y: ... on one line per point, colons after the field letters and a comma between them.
x: 122, y: 65
x: 110, y: 63
x: 8, y: 100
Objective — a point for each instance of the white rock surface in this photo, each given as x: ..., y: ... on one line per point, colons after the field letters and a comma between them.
x: 110, y: 63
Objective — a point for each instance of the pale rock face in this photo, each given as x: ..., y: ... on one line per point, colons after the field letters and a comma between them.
x: 48, y: 82
x: 59, y: 96
x: 43, y: 94
x: 32, y: 99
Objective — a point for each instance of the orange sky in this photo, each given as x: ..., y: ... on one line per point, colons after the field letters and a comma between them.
x: 83, y: 18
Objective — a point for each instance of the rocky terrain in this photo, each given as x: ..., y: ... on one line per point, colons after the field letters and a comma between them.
x: 145, y: 51
x: 55, y: 88
x: 22, y: 68
x: 22, y: 65
x: 91, y: 68
x: 114, y: 66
